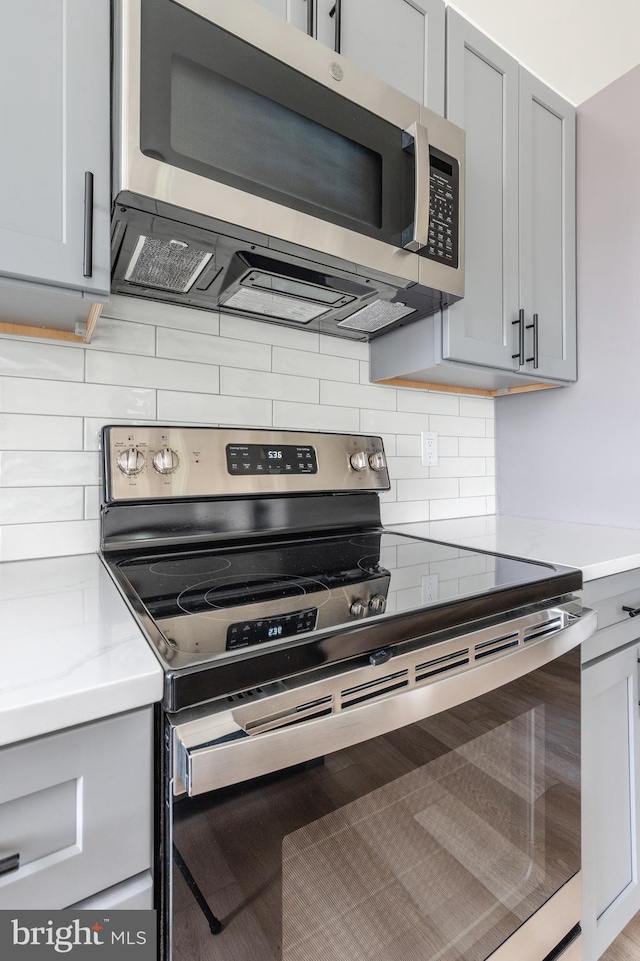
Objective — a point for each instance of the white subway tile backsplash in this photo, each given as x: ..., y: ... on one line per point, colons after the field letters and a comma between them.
x: 458, y: 426
x: 158, y: 362
x: 32, y: 358
x: 211, y: 409
x: 459, y: 467
x: 477, y: 446
x: 21, y: 541
x: 32, y: 505
x: 314, y: 417
x: 357, y: 349
x: 407, y: 467
x: 257, y: 383
x: 39, y: 468
x: 407, y: 513
x: 223, y: 351
x: 458, y: 507
x: 92, y: 497
x: 427, y: 489
x: 307, y: 363
x: 491, y: 504
x: 35, y: 432
x: 428, y: 402
x: 408, y: 445
x: 392, y: 422
x: 253, y: 331
x: 477, y: 407
x: 357, y: 395
x: 129, y: 370
x: 91, y: 400
x: 124, y: 336
x: 157, y: 314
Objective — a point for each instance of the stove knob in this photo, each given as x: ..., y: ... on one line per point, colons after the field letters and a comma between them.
x: 358, y: 609
x: 166, y: 461
x: 131, y: 461
x: 377, y: 461
x: 359, y: 461
x: 377, y: 604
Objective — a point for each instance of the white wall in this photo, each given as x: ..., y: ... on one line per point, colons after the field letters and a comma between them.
x: 574, y: 454
x: 575, y: 46
x: 153, y: 362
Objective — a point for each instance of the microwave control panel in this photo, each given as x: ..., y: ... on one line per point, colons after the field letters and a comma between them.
x: 444, y: 182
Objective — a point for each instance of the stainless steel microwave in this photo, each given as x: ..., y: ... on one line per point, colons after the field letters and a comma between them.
x: 259, y: 173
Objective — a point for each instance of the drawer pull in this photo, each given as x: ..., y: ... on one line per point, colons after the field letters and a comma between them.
x: 10, y: 863
x: 632, y: 611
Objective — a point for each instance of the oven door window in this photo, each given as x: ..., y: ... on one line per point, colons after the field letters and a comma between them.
x: 435, y: 841
x: 221, y: 108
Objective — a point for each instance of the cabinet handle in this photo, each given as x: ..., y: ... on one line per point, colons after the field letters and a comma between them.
x: 311, y: 17
x: 632, y: 611
x: 87, y: 259
x: 10, y: 863
x: 336, y: 11
x: 534, y: 325
x: 520, y: 322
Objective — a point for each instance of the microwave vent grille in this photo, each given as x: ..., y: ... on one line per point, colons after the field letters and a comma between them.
x: 374, y: 316
x: 166, y: 264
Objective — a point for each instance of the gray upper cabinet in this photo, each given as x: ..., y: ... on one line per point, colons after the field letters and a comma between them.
x: 547, y: 230
x: 400, y: 41
x: 482, y: 98
x: 54, y: 71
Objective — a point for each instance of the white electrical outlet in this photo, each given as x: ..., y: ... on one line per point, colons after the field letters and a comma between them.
x: 429, y: 448
x: 429, y: 588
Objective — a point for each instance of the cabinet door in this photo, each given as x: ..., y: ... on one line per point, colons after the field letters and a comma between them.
x: 547, y: 229
x: 295, y: 11
x: 610, y: 789
x: 482, y: 98
x: 399, y: 41
x: 54, y: 116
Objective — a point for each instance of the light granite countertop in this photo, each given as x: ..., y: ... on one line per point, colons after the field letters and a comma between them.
x: 70, y: 650
x: 597, y: 551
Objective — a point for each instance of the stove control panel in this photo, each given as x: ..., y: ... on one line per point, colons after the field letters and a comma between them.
x: 147, y: 462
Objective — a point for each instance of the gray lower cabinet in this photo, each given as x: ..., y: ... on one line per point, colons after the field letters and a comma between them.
x: 400, y: 41
x: 76, y: 814
x: 611, y: 763
x: 55, y: 187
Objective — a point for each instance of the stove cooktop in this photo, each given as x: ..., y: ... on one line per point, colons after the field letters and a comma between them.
x: 224, y: 605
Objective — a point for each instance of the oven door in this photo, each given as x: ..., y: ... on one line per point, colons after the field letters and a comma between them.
x: 430, y: 810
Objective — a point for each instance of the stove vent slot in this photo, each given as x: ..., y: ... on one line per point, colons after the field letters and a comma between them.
x: 439, y: 665
x: 496, y: 645
x: 377, y: 688
x: 541, y: 630
x: 245, y: 695
x: 294, y: 715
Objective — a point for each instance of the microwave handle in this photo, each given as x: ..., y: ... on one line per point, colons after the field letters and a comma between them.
x: 416, y: 140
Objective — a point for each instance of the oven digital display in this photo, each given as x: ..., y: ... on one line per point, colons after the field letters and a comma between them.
x: 246, y: 633
x: 271, y: 459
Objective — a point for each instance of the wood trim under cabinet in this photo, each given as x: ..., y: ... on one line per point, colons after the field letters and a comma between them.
x: 50, y: 333
x: 477, y: 391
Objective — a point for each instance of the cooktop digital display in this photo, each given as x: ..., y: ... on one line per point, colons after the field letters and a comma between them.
x: 271, y: 459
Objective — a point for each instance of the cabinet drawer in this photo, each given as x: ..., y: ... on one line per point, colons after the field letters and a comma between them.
x: 610, y: 594
x: 133, y: 895
x: 76, y: 806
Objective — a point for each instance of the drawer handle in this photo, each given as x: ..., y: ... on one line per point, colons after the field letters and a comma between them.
x: 632, y: 611
x: 10, y: 863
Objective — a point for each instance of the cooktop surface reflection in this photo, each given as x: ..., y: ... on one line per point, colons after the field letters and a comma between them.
x: 210, y: 604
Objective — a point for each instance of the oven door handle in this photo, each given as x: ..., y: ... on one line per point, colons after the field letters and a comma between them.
x: 216, y: 751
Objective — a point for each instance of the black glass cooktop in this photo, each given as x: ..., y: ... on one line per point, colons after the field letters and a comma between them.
x: 211, y: 605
